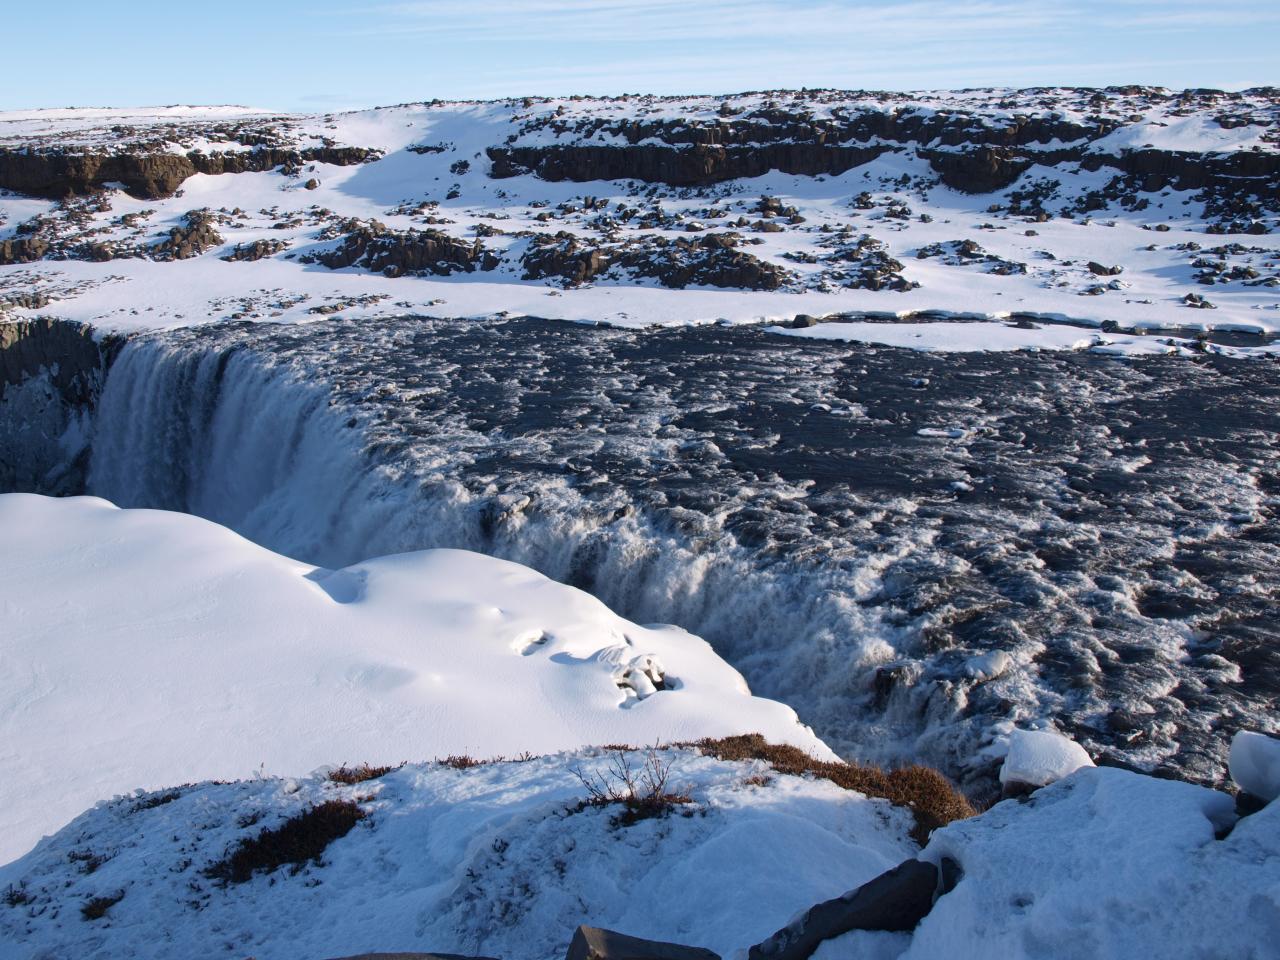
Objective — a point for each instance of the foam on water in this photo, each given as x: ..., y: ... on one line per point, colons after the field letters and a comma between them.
x: 848, y: 526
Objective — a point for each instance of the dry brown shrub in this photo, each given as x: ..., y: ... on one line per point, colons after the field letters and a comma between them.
x: 926, y: 792
x: 352, y: 775
x: 293, y: 843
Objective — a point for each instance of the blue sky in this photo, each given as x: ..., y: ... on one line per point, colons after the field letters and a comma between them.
x: 327, y: 55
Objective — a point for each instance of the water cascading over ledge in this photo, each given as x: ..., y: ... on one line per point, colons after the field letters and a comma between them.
x: 777, y: 499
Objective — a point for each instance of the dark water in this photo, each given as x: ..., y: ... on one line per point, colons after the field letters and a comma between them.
x: 1109, y: 524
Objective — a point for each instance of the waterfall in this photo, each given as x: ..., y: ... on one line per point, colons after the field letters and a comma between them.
x: 261, y: 446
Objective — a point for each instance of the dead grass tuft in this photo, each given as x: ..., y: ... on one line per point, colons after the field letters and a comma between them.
x: 641, y: 791
x: 462, y: 761
x: 16, y: 896
x: 97, y: 908
x: 294, y: 843
x: 353, y: 775
x: 926, y: 792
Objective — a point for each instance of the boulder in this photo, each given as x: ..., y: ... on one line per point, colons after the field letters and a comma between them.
x: 593, y: 943
x: 894, y: 901
x: 1099, y: 270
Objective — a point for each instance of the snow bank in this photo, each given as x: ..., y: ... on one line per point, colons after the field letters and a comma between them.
x: 1107, y: 864
x: 945, y: 336
x: 143, y: 648
x: 1255, y: 764
x: 1039, y: 757
x: 497, y: 860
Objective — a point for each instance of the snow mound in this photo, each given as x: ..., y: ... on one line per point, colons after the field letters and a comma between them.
x: 1039, y: 757
x: 143, y: 648
x: 1255, y: 764
x: 500, y: 860
x: 1107, y: 864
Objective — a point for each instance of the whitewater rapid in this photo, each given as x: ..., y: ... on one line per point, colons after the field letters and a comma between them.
x: 851, y: 527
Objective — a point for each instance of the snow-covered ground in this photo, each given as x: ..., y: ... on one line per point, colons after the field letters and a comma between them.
x: 1101, y: 864
x: 142, y: 649
x: 449, y: 188
x: 503, y: 860
x: 494, y: 860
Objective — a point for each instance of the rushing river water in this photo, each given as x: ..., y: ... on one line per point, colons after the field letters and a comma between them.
x: 851, y: 527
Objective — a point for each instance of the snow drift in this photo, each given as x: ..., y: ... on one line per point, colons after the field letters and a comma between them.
x: 143, y: 649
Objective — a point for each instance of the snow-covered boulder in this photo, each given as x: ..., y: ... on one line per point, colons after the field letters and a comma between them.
x: 1040, y: 757
x: 142, y: 649
x: 1255, y: 764
x: 988, y: 666
x: 1106, y: 864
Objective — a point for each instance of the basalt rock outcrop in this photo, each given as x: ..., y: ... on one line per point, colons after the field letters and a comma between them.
x: 394, y: 253
x: 257, y: 250
x: 983, y: 170
x: 563, y: 256
x: 685, y: 166
x: 704, y: 261
x: 50, y: 375
x: 148, y: 175
x: 192, y: 238
x: 22, y: 250
x: 972, y: 152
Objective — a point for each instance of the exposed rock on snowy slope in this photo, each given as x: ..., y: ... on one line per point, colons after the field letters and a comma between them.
x: 506, y: 859
x: 812, y: 202
x: 145, y: 648
x: 502, y: 859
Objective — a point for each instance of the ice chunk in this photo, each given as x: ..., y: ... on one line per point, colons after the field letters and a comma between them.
x: 1039, y: 757
x: 987, y: 666
x: 1255, y: 764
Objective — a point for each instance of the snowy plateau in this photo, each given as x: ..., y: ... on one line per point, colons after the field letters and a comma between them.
x: 831, y: 524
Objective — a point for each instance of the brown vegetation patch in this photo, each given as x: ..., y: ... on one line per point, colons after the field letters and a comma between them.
x: 295, y: 842
x: 353, y: 775
x: 461, y: 761
x: 926, y: 792
x: 97, y: 908
x: 641, y: 791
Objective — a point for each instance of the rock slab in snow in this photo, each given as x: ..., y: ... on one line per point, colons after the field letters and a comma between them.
x: 593, y: 943
x: 1040, y: 757
x: 894, y: 901
x: 1255, y: 764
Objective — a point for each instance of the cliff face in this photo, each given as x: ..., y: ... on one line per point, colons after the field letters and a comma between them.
x: 972, y: 153
x: 57, y: 173
x: 51, y: 373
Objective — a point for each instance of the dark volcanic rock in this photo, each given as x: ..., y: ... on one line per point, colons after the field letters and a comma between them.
x: 894, y: 901
x: 22, y: 250
x: 56, y: 174
x: 704, y: 261
x: 695, y: 165
x: 977, y: 171
x: 563, y: 256
x: 148, y: 175
x: 256, y: 250
x: 193, y: 238
x: 374, y: 247
x: 593, y: 943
